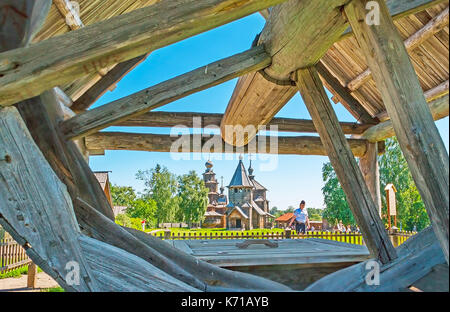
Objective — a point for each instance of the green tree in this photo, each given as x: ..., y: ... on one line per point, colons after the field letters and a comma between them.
x: 193, y: 196
x: 122, y: 195
x: 124, y: 220
x: 335, y: 200
x: 144, y: 209
x: 276, y: 212
x: 161, y: 186
x: 393, y: 169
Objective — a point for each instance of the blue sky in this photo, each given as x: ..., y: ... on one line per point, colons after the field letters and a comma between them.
x: 295, y: 178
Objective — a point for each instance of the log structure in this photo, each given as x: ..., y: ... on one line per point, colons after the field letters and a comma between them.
x: 389, y: 70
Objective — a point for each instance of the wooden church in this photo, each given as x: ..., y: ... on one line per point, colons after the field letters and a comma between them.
x: 385, y: 61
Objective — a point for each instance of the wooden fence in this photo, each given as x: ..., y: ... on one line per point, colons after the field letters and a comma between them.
x: 351, y: 238
x: 12, y: 255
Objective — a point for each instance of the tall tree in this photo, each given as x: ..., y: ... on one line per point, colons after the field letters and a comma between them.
x: 144, y: 209
x: 122, y: 195
x: 161, y: 186
x: 193, y: 197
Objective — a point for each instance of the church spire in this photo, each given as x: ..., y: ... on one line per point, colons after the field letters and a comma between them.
x: 250, y: 169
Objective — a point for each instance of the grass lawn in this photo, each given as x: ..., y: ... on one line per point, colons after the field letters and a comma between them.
x: 16, y: 272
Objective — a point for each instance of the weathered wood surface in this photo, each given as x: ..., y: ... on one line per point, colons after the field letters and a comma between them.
x: 297, y: 34
x: 165, y: 92
x: 67, y: 11
x: 412, y: 121
x: 435, y: 25
x: 190, y: 120
x: 371, y: 174
x: 289, y: 145
x: 416, y: 257
x: 42, y: 115
x: 105, y: 83
x: 36, y: 208
x: 439, y: 109
x: 218, y: 279
x: 225, y: 253
x: 27, y: 72
x: 344, y: 96
x: 20, y: 21
x: 349, y: 175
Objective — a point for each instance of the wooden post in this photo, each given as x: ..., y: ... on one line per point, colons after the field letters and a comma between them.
x: 411, y: 118
x: 31, y: 276
x: 343, y: 161
x: 371, y: 174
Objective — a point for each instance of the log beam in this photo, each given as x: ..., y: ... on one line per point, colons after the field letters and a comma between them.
x: 199, y: 79
x: 359, y: 198
x: 188, y: 119
x: 27, y: 72
x: 371, y: 174
x: 302, y: 145
x: 68, y: 12
x: 435, y: 25
x: 412, y: 121
x: 439, y: 109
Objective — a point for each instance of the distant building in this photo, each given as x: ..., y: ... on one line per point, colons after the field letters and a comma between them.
x: 282, y: 221
x: 103, y: 179
x: 246, y: 206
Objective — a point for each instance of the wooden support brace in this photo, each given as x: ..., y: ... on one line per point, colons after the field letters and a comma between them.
x: 371, y: 174
x: 411, y: 118
x: 349, y: 175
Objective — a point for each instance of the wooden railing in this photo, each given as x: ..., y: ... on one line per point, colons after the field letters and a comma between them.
x: 12, y: 255
x: 351, y: 238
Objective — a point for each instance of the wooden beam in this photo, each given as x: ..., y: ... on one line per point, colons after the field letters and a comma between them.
x: 69, y: 13
x: 371, y: 174
x: 27, y: 72
x: 300, y: 145
x: 359, y: 198
x: 344, y: 95
x: 105, y: 83
x: 402, y: 8
x: 411, y: 118
x: 165, y: 92
x: 439, y: 109
x: 186, y: 119
x: 435, y: 25
x: 430, y: 95
x: 297, y: 34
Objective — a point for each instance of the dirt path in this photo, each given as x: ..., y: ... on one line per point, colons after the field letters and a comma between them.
x: 19, y: 284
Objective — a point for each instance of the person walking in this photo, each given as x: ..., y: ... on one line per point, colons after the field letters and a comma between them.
x: 301, y: 219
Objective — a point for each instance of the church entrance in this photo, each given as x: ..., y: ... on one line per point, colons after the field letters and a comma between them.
x: 238, y: 223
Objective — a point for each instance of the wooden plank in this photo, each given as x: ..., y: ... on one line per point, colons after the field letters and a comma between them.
x: 255, y: 100
x: 371, y: 174
x: 435, y: 25
x: 186, y: 119
x: 439, y: 109
x: 50, y: 242
x: 69, y: 13
x: 301, y: 145
x: 351, y: 179
x: 105, y: 83
x: 27, y: 72
x: 199, y: 79
x: 31, y: 275
x: 411, y: 118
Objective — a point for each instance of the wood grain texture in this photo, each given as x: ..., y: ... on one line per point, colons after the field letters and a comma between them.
x: 371, y: 174
x: 439, y: 109
x: 416, y: 257
x: 165, y: 92
x: 411, y: 118
x: 297, y: 34
x: 301, y: 145
x: 358, y: 196
x: 62, y: 59
x: 188, y: 119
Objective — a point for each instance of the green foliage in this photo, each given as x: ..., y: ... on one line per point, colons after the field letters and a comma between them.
x: 161, y: 186
x: 393, y: 169
x: 193, y: 197
x: 124, y: 220
x: 143, y: 209
x: 335, y: 200
x: 315, y: 214
x: 276, y: 212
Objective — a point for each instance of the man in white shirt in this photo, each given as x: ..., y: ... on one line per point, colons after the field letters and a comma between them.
x: 301, y: 218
